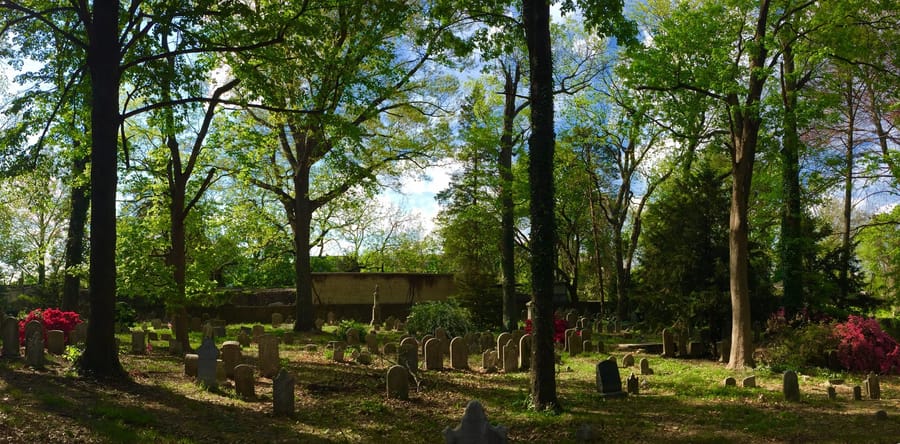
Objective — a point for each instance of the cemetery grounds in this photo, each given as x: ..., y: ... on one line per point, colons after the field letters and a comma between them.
x: 683, y: 401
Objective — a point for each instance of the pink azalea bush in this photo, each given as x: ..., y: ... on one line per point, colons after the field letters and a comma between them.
x: 864, y: 346
x: 559, y: 329
x: 53, y: 319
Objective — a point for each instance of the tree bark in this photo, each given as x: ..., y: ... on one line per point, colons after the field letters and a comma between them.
x: 101, y: 356
x: 791, y: 240
x: 847, y: 214
x: 507, y: 206
x: 302, y: 220
x: 536, y: 15
x: 75, y: 236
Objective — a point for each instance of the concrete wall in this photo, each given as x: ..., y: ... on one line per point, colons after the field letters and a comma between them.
x: 393, y: 288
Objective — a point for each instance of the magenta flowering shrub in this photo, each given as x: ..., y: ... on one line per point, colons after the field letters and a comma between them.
x: 53, y: 319
x: 864, y: 346
x: 559, y: 329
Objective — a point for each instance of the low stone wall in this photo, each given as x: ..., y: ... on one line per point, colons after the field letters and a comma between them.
x: 235, y: 314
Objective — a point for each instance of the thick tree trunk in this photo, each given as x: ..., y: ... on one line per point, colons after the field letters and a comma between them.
x: 745, y: 124
x: 100, y: 357
x: 302, y: 267
x: 75, y: 237
x: 846, y: 241
x: 178, y: 253
x: 791, y: 240
x: 536, y: 16
x: 621, y: 285
x: 507, y: 206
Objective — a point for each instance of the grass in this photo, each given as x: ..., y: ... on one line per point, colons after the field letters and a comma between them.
x: 683, y: 401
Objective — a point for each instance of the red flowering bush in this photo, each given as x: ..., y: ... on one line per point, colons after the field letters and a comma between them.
x: 559, y: 329
x: 864, y: 346
x: 53, y: 319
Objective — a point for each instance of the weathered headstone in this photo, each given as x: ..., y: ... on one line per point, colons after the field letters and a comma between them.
x: 645, y: 367
x: 791, y: 386
x: 730, y: 382
x: 208, y: 331
x: 32, y: 327
x: 244, y: 382
x: 586, y: 333
x: 628, y: 360
x: 696, y: 349
x: 56, y: 342
x: 207, y: 355
x: 398, y: 382
x: 832, y: 392
x: 408, y: 354
x: 243, y: 339
x: 723, y: 348
x: 475, y: 428
x: 79, y: 335
x: 502, y: 339
x: 632, y: 384
x: 600, y: 347
x: 486, y: 340
x: 372, y: 342
x: 310, y: 348
x: 857, y: 393
x: 34, y: 349
x: 288, y: 338
x: 434, y: 356
x: 277, y: 320
x: 568, y: 336
x: 152, y: 336
x: 319, y: 323
x: 459, y: 354
x: 269, y: 359
x: 389, y: 349
x: 424, y: 341
x: 156, y: 323
x: 190, y: 365
x: 283, y: 393
x: 609, y: 383
x: 749, y: 382
x: 510, y: 358
x: 682, y: 341
x: 352, y: 337
x: 138, y: 342
x: 258, y: 331
x: 364, y: 358
x: 575, y: 345
x: 10, y: 337
x: 489, y: 361
x: 873, y: 386
x: 571, y: 317
x: 525, y: 352
x: 175, y: 347
x: 668, y: 344
x: 231, y: 357
x: 165, y: 337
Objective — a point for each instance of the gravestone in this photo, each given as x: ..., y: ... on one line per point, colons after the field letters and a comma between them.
x: 598, y: 327
x: 243, y: 339
x: 398, y: 382
x: 424, y: 341
x: 218, y: 326
x: 156, y: 323
x: 352, y: 337
x: 207, y: 355
x: 152, y: 336
x: 244, y: 383
x: 632, y: 384
x: 337, y: 351
x: 857, y: 393
x: 832, y: 392
x: 310, y: 348
x: 208, y: 331
x: 34, y: 349
x: 138, y: 342
x: 231, y: 357
x: 434, y: 356
x: 570, y: 319
x: 283, y: 393
x: 628, y: 360
x: 575, y: 345
x: 319, y: 323
x: 586, y: 334
x: 645, y: 367
x: 408, y: 354
x: 730, y: 382
x: 696, y: 349
x: 269, y: 360
x: 600, y: 347
x: 510, y: 358
x: 32, y: 327
x: 389, y: 349
x: 258, y: 331
x: 441, y: 334
x: 486, y: 340
x: 525, y: 352
x: 459, y: 354
x: 372, y: 342
x: 56, y: 342
x: 175, y: 347
x: 873, y: 386
x: 190, y: 365
x: 364, y: 358
x: 475, y: 428
x: 165, y: 337
x: 277, y: 320
x: 568, y: 336
x: 749, y: 382
x: 80, y: 333
x: 609, y: 384
x: 668, y: 344
x: 682, y: 339
x: 791, y: 387
x: 330, y: 317
x: 502, y: 339
x: 390, y: 322
x: 489, y: 361
x: 196, y: 324
x: 723, y: 348
x: 10, y: 337
x: 288, y: 338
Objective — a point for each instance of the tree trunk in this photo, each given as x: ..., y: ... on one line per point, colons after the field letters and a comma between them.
x: 536, y: 16
x: 178, y: 253
x: 621, y: 285
x: 302, y: 267
x: 75, y: 237
x: 507, y: 206
x: 846, y: 244
x: 101, y: 356
x: 745, y: 124
x: 791, y: 240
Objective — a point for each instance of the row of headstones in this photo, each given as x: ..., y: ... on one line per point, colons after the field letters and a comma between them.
x: 36, y: 339
x: 678, y: 345
x: 871, y: 385
x: 391, y: 323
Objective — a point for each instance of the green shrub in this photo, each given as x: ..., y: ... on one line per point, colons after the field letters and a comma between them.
x: 425, y: 317
x: 799, y: 348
